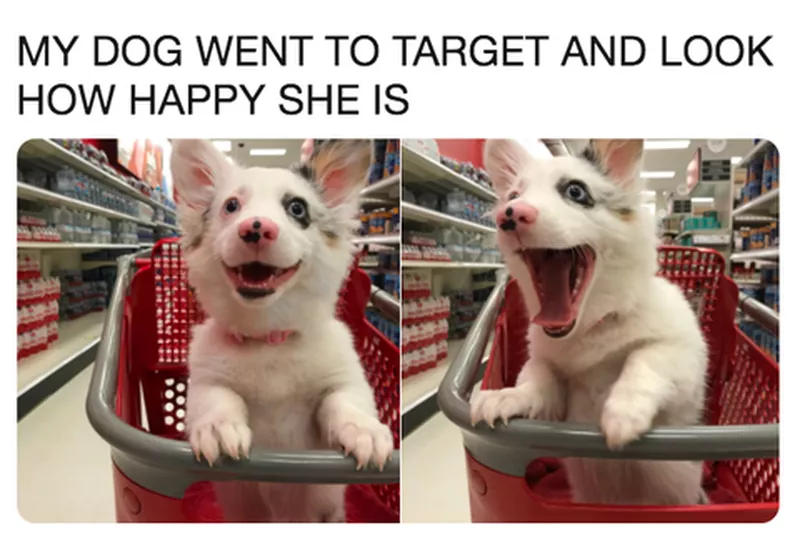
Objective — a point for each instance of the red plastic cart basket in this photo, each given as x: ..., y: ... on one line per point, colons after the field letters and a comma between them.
x: 514, y: 472
x: 138, y: 391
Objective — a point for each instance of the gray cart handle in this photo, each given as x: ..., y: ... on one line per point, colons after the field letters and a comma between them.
x: 582, y: 440
x: 143, y: 450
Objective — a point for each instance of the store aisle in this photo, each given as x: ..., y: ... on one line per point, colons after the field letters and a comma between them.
x: 64, y: 467
x: 434, y: 475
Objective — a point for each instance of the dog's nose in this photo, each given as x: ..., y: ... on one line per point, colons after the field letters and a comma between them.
x: 258, y: 231
x: 516, y: 215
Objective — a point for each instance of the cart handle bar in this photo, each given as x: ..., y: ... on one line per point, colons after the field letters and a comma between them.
x: 265, y: 465
x: 763, y: 315
x: 385, y: 303
x: 583, y: 440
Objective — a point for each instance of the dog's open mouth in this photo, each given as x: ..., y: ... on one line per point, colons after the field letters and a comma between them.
x: 560, y: 278
x: 257, y: 280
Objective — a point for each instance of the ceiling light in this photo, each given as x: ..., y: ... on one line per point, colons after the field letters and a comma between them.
x: 536, y: 148
x: 736, y: 160
x: 657, y: 174
x: 667, y: 145
x: 267, y: 151
x: 702, y: 200
x: 648, y: 193
x: 222, y: 146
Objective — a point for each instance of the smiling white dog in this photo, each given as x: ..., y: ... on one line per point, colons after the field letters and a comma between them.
x: 271, y: 367
x: 611, y: 344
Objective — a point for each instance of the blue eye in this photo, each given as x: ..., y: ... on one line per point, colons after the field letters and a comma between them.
x: 297, y: 208
x: 576, y: 191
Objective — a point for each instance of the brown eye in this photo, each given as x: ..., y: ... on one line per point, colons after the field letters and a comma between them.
x: 232, y: 205
x: 513, y: 196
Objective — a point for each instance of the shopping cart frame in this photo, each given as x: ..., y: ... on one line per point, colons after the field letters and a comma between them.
x: 167, y: 466
x: 509, y: 449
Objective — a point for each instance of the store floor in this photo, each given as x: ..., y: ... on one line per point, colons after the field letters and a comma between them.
x: 434, y: 474
x: 63, y: 466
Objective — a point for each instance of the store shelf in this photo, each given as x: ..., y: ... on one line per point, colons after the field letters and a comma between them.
x: 422, y: 214
x: 48, y: 150
x: 766, y: 204
x: 386, y: 187
x: 164, y: 225
x: 422, y: 170
x: 419, y: 387
x: 769, y: 254
x: 707, y: 237
x: 754, y: 153
x: 378, y: 239
x: 74, y: 338
x: 753, y: 220
x: 33, y: 245
x: 450, y: 264
x: 29, y: 192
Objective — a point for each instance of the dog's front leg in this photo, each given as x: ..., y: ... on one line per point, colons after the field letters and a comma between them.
x: 216, y: 422
x: 349, y: 421
x: 648, y: 381
x: 538, y: 393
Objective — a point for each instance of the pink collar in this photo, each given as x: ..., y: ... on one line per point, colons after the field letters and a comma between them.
x: 273, y: 338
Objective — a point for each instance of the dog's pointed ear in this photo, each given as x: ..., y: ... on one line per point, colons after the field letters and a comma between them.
x: 620, y: 159
x: 340, y: 168
x: 197, y: 168
x: 504, y: 160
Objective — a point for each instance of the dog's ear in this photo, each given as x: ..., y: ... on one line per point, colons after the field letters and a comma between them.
x: 340, y: 168
x: 197, y: 168
x: 504, y: 159
x: 620, y: 159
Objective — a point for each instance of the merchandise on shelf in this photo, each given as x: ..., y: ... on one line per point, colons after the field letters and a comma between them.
x: 465, y: 306
x: 36, y: 226
x: 469, y: 171
x: 458, y: 204
x: 388, y: 329
x: 416, y: 284
x: 424, y: 332
x: 380, y: 221
x: 99, y: 159
x: 37, y: 306
x: 768, y: 236
x: 763, y: 175
x: 424, y: 345
x: 709, y: 220
x: 388, y: 260
x: 386, y: 160
x: 80, y: 297
x: 425, y: 310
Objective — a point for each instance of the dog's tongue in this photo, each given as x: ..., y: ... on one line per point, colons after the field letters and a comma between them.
x: 556, y: 294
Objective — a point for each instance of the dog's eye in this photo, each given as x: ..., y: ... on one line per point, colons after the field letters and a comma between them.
x: 232, y: 205
x: 513, y: 196
x: 576, y: 191
x: 296, y: 208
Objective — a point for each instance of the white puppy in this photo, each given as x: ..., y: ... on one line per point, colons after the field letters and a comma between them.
x: 267, y: 251
x: 611, y: 343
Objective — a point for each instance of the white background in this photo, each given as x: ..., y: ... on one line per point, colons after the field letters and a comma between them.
x: 547, y: 101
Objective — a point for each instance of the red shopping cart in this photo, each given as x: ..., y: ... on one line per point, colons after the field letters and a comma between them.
x: 515, y: 474
x: 139, y: 386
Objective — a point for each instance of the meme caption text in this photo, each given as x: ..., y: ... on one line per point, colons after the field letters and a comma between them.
x: 392, y: 97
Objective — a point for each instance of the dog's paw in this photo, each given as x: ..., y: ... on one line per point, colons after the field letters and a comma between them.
x: 625, y: 420
x: 365, y: 438
x: 504, y: 404
x: 209, y: 440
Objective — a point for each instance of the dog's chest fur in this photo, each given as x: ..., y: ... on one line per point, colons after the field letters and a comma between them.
x: 282, y: 385
x: 590, y: 363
